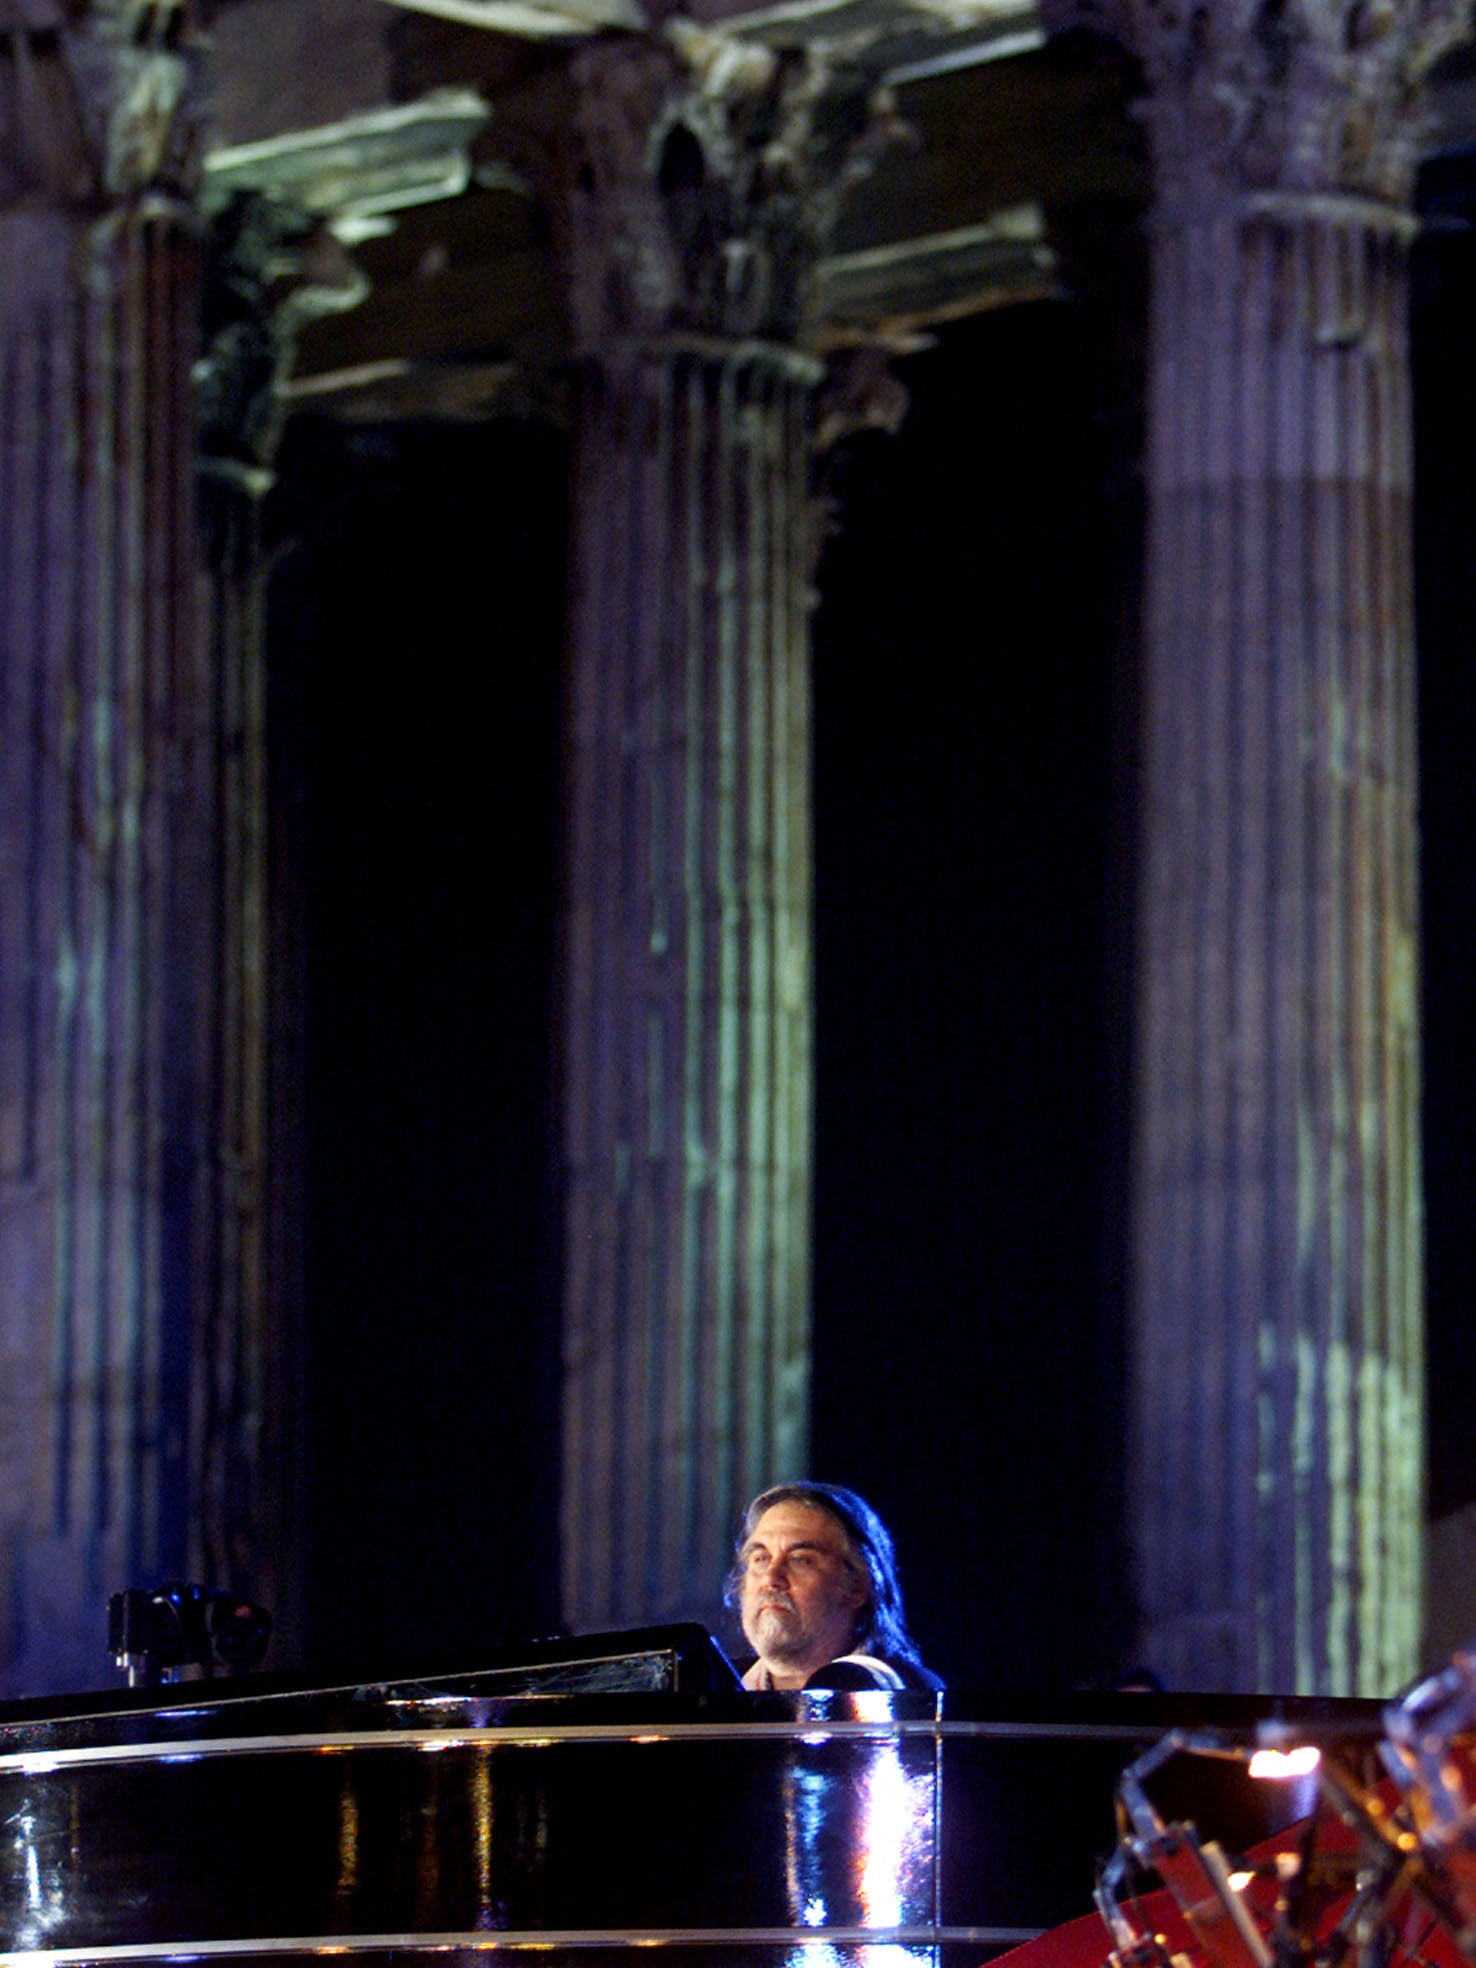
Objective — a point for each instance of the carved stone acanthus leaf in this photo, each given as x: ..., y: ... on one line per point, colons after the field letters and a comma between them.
x: 701, y: 187
x: 104, y: 100
x: 1288, y: 96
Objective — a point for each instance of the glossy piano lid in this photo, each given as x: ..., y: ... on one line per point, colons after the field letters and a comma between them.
x: 437, y: 1814
x: 682, y: 1658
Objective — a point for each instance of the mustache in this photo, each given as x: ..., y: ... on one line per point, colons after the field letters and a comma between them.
x: 769, y: 1600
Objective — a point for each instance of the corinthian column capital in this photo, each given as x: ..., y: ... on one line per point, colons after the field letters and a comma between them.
x: 1305, y: 97
x: 700, y: 186
x: 270, y: 268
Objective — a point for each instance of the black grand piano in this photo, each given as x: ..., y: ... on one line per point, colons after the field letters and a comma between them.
x: 578, y: 1802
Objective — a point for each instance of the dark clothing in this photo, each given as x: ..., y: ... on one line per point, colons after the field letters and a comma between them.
x: 851, y: 1671
x: 871, y: 1671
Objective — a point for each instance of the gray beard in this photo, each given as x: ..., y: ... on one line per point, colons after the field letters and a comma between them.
x: 781, y: 1637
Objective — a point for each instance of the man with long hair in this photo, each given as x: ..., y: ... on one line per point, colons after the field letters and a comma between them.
x: 814, y: 1583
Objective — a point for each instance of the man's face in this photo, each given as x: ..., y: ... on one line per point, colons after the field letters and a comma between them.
x: 800, y: 1597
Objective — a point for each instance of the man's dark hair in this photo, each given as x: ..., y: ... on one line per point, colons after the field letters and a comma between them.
x: 881, y: 1624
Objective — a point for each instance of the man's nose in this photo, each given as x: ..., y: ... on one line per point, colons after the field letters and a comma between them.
x: 773, y: 1567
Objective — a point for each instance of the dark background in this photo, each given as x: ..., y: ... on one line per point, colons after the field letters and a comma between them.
x: 973, y: 757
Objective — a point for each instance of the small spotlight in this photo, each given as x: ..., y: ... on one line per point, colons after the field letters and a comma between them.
x: 1283, y: 1763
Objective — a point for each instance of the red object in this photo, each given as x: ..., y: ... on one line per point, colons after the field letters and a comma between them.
x: 1420, y: 1937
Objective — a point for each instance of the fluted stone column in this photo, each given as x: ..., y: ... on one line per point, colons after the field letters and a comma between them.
x: 1277, y: 1444
x: 243, y: 1411
x: 274, y: 262
x: 269, y: 266
x: 109, y: 935
x: 687, y: 1054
